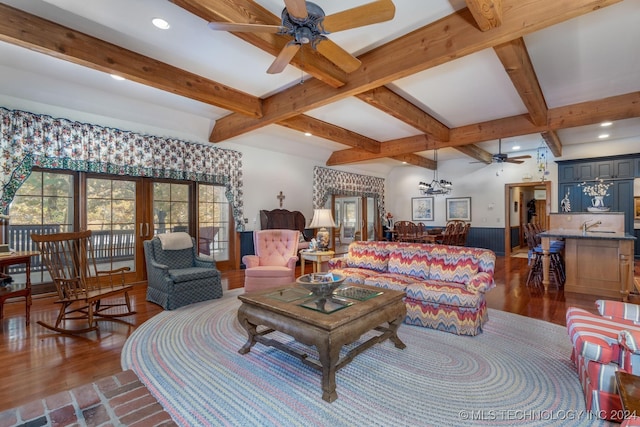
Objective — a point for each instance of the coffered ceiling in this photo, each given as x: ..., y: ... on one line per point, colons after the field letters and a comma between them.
x: 436, y: 76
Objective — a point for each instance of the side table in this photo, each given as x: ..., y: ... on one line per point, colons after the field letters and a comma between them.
x: 629, y: 390
x: 317, y: 257
x: 14, y: 290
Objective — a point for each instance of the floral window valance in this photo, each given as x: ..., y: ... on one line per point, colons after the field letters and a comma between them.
x: 28, y: 140
x: 330, y: 181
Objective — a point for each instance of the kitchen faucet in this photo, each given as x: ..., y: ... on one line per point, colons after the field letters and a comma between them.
x: 586, y: 226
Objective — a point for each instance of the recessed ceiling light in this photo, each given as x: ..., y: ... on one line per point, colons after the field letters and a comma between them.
x: 117, y: 77
x: 307, y: 134
x: 516, y: 147
x: 160, y: 23
x: 603, y: 136
x: 605, y: 124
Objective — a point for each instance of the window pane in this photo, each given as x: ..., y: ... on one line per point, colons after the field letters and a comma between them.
x: 44, y: 204
x: 180, y: 192
x: 98, y: 213
x: 55, y: 184
x: 213, y: 227
x: 111, y: 215
x: 171, y: 208
x: 161, y: 191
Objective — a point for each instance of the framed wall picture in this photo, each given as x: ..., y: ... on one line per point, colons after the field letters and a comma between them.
x: 636, y: 207
x: 422, y: 208
x: 459, y: 208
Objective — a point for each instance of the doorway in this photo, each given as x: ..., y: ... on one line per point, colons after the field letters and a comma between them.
x: 355, y: 218
x: 517, y: 194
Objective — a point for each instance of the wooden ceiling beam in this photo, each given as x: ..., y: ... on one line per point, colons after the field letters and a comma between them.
x: 476, y: 152
x: 517, y: 63
x: 46, y: 37
x: 303, y: 123
x: 249, y: 12
x: 487, y: 13
x: 395, y: 105
x: 403, y: 146
x: 618, y: 107
x: 553, y: 142
x: 397, y: 147
x: 586, y: 113
x: 415, y: 160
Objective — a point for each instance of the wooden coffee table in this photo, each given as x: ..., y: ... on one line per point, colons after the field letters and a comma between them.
x: 280, y: 310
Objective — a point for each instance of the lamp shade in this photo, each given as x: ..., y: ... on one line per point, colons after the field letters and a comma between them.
x: 322, y: 218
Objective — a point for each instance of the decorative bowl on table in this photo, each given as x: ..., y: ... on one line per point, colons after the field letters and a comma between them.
x: 321, y: 284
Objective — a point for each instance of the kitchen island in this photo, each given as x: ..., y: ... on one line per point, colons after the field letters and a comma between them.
x: 598, y: 261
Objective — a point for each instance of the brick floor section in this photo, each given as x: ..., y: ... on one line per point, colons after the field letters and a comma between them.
x: 120, y: 400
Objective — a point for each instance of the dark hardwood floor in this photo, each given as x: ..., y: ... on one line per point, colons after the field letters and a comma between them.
x: 37, y: 362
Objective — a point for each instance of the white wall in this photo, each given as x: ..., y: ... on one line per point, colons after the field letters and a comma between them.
x: 485, y: 184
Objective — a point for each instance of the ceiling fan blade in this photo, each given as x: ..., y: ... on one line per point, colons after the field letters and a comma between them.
x: 367, y: 14
x: 514, y: 161
x: 284, y: 57
x: 245, y: 28
x: 338, y: 56
x: 296, y: 8
x: 526, y: 156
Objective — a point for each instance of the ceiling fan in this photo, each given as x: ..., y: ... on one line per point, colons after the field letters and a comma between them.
x: 500, y: 157
x: 307, y: 23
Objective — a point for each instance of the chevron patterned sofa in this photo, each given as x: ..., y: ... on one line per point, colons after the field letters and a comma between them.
x: 445, y: 285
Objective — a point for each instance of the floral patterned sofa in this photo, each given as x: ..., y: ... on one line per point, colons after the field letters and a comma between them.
x: 603, y: 344
x: 445, y: 285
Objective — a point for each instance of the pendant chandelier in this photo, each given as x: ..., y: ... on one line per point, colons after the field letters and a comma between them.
x: 437, y: 186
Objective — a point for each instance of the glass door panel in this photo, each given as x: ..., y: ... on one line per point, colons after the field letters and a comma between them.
x: 370, y: 212
x: 44, y: 204
x: 111, y: 216
x: 213, y: 220
x: 170, y: 207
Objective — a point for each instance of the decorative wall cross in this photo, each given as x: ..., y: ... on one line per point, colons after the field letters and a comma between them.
x: 280, y: 197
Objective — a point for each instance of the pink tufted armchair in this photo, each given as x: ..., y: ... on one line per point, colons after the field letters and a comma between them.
x: 274, y: 263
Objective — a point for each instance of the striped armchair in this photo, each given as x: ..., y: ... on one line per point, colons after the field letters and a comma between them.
x: 603, y: 344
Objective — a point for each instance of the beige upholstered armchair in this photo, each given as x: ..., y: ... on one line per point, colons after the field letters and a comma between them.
x: 274, y: 262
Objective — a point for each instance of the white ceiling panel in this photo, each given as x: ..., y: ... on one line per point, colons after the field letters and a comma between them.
x: 472, y: 89
x: 591, y: 57
x: 360, y: 117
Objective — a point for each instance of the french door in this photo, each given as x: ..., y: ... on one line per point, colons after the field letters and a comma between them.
x: 357, y: 215
x: 122, y: 212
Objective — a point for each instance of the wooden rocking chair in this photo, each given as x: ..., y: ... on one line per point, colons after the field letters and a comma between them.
x: 81, y: 287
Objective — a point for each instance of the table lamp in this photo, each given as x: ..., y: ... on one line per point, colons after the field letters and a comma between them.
x: 322, y: 219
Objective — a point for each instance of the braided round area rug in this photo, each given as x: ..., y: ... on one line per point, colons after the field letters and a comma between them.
x: 517, y: 372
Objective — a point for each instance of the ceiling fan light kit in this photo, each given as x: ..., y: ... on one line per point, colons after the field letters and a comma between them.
x: 501, y: 157
x: 306, y: 30
x: 304, y: 22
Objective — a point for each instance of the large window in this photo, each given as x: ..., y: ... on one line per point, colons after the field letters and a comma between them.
x: 121, y: 212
